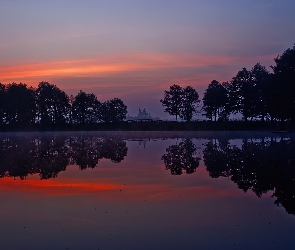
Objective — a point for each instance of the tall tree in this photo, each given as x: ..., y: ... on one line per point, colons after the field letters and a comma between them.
x: 215, y: 100
x: 20, y: 104
x: 173, y: 100
x: 85, y: 108
x: 53, y: 104
x: 113, y: 111
x: 242, y: 93
x: 2, y: 102
x: 261, y: 80
x: 190, y: 102
x: 283, y: 85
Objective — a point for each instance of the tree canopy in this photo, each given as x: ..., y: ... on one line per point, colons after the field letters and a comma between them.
x: 85, y: 108
x: 53, y: 104
x: 181, y: 102
x: 113, y: 111
x: 215, y: 100
x: 22, y: 106
x: 173, y: 100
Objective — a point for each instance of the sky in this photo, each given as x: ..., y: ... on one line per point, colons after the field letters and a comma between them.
x: 136, y: 49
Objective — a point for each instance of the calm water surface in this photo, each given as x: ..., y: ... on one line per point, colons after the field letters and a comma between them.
x: 147, y: 190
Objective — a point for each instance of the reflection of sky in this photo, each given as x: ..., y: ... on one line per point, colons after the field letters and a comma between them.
x: 137, y: 204
x: 135, y: 49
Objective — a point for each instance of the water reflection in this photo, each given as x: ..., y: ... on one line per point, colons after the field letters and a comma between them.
x: 181, y: 158
x: 260, y: 166
x: 86, y: 152
x: 112, y: 207
x: 47, y: 156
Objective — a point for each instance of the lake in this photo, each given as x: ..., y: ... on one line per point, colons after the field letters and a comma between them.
x: 147, y: 190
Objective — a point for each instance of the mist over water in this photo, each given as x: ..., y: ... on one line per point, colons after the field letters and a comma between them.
x: 147, y: 190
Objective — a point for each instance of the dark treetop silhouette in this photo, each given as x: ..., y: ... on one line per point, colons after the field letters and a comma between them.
x: 255, y: 95
x: 181, y: 102
x: 215, y: 101
x: 22, y: 107
x: 85, y: 108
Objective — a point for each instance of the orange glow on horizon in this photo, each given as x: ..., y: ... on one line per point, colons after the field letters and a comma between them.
x: 107, y: 66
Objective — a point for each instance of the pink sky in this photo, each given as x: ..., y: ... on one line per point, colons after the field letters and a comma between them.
x: 136, y: 50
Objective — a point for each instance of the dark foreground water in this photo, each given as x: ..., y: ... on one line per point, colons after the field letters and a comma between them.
x: 147, y: 190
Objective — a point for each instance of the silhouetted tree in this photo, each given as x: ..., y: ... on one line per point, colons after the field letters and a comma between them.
x: 242, y: 94
x: 283, y: 86
x: 181, y: 102
x: 190, y: 101
x: 215, y: 100
x: 261, y: 80
x: 173, y: 100
x: 2, y: 103
x: 85, y: 108
x: 113, y: 111
x: 181, y: 157
x: 53, y: 104
x: 20, y: 106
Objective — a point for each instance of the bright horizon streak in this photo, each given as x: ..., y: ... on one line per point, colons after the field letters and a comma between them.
x: 112, y: 65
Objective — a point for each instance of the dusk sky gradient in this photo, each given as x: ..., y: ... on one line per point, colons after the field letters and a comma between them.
x: 135, y: 49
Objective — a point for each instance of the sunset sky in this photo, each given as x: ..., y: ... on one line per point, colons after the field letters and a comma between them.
x: 135, y: 49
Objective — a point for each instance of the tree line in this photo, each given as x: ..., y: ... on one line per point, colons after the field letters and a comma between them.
x: 48, y: 105
x: 254, y: 94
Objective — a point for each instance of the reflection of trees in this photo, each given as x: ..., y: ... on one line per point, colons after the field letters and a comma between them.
x: 181, y: 157
x: 257, y: 166
x: 16, y: 155
x: 51, y: 156
x: 47, y: 156
x: 21, y: 156
x: 86, y: 152
x: 113, y: 149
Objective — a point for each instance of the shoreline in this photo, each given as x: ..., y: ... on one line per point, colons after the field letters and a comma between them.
x: 158, y: 126
x: 151, y: 135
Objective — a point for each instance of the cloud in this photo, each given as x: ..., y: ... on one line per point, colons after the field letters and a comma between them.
x: 109, y: 65
x: 124, y: 66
